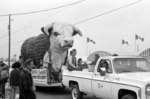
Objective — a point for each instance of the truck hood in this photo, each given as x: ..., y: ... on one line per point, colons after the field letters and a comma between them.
x: 138, y: 76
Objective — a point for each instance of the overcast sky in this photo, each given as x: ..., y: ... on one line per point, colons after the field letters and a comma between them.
x: 107, y: 31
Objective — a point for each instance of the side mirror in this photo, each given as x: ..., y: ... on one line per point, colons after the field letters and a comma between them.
x: 102, y: 71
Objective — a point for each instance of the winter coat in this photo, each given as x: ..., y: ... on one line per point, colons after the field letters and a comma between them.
x: 26, y: 85
x: 14, y: 77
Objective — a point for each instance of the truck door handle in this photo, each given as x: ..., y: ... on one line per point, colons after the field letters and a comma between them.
x: 100, y: 85
x: 117, y: 78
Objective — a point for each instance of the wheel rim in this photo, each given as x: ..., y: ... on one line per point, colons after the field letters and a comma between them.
x: 74, y: 93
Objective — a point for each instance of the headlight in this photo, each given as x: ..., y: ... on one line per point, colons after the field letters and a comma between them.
x: 147, y: 90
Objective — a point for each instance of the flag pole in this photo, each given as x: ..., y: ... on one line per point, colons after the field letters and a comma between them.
x: 9, y: 42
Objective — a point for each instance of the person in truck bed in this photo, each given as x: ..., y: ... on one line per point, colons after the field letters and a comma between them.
x: 81, y: 65
x: 72, y: 63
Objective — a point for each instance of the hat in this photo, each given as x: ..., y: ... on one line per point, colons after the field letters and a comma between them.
x: 16, y: 65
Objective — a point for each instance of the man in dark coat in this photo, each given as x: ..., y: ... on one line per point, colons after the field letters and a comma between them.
x: 26, y: 82
x: 14, y: 79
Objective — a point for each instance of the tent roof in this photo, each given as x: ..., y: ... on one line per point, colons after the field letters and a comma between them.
x: 91, y: 57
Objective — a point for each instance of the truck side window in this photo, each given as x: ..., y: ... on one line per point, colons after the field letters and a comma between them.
x: 106, y: 64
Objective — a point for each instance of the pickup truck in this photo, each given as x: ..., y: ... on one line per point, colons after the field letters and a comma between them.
x: 113, y: 77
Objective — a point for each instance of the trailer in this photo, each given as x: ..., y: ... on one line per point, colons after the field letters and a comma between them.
x: 40, y: 79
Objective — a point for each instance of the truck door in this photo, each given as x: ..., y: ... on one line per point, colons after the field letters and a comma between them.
x: 101, y: 84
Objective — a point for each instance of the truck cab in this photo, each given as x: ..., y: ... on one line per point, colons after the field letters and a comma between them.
x: 114, y: 77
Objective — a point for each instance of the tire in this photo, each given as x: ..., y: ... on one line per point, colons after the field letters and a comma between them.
x: 128, y: 96
x: 75, y: 92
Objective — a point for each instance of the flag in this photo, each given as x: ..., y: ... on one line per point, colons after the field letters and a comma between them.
x: 137, y: 37
x: 124, y: 42
x: 90, y: 40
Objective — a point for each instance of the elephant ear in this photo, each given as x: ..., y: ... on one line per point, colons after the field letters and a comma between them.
x: 76, y: 31
x: 47, y: 30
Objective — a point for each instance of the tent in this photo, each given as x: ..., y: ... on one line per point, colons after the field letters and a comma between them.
x: 91, y: 57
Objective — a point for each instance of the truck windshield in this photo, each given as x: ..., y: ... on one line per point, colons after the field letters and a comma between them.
x: 122, y: 65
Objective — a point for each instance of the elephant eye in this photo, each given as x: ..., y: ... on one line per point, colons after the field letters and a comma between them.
x: 56, y: 34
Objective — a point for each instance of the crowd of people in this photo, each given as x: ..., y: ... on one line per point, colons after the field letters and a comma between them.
x: 20, y: 79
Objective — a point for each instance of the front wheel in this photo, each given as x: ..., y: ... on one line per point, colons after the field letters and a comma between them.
x: 75, y: 92
x: 128, y: 96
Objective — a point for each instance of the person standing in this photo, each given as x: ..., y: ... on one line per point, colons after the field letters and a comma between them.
x: 26, y: 87
x: 93, y: 63
x: 14, y: 79
x: 96, y: 57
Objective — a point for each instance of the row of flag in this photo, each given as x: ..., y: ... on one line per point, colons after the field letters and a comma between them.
x: 137, y: 37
